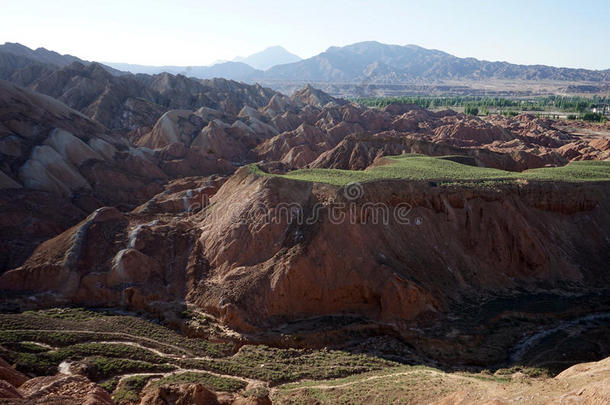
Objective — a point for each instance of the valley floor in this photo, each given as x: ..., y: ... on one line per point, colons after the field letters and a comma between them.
x: 130, y: 357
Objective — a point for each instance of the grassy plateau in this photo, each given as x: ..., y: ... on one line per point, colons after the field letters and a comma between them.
x: 442, y: 169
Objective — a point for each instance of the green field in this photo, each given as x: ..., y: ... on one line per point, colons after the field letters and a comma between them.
x: 125, y: 361
x: 427, y: 168
x: 110, y: 346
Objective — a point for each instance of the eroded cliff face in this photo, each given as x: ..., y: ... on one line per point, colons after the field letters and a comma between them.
x: 399, y: 251
x: 265, y: 250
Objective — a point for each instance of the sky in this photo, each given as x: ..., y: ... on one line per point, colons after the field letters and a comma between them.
x: 190, y: 32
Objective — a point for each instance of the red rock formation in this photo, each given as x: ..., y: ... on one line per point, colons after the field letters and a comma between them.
x: 65, y: 166
x: 299, y: 147
x: 114, y: 259
x: 126, y: 102
x: 189, y: 194
x: 275, y: 271
x: 228, y: 258
x: 10, y: 375
x: 470, y: 132
x: 7, y: 391
x: 195, y: 394
x: 357, y: 152
x: 65, y: 390
x: 28, y: 218
x: 247, y: 263
x: 314, y: 97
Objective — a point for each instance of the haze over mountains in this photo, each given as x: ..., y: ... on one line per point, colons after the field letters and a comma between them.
x: 240, y: 68
x: 374, y: 62
x: 272, y: 56
x: 286, y: 239
x: 14, y: 55
x: 364, y: 61
x: 381, y: 63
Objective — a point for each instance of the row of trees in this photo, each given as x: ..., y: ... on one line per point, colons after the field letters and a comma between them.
x: 561, y: 103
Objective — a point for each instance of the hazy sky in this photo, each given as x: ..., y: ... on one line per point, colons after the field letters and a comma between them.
x: 189, y: 32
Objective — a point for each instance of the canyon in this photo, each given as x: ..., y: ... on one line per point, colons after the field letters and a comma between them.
x: 229, y: 212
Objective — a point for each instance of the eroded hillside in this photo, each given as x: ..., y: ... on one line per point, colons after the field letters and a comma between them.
x: 292, y: 238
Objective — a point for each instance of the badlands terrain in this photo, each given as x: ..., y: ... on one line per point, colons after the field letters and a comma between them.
x: 167, y: 239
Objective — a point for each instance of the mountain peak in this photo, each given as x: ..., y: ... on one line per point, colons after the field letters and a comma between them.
x: 271, y: 56
x: 375, y: 62
x: 41, y: 55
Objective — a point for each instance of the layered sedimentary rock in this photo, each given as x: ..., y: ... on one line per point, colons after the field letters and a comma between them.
x: 269, y: 249
x: 195, y: 394
x: 58, y: 165
x: 59, y: 389
x: 126, y: 102
x: 391, y: 270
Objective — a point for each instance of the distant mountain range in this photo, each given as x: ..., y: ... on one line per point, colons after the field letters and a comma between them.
x: 15, y: 53
x: 339, y: 70
x: 241, y: 68
x: 226, y: 70
x: 372, y: 63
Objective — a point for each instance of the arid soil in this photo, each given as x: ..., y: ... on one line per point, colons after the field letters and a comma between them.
x: 165, y: 215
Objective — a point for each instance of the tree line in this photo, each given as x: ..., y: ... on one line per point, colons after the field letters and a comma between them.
x: 562, y: 103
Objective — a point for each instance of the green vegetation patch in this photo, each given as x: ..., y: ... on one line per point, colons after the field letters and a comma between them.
x: 209, y: 381
x: 110, y: 350
x: 129, y: 388
x: 66, y: 326
x: 587, y: 170
x: 532, y: 372
x: 34, y: 363
x: 398, y: 385
x: 101, y: 368
x: 110, y: 384
x: 389, y: 371
x: 282, y: 365
x: 446, y: 169
x: 561, y: 103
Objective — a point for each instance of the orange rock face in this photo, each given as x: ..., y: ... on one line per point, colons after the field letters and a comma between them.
x: 269, y: 249
x: 8, y: 374
x: 387, y: 271
x: 60, y: 389
x: 139, y: 196
x: 195, y: 394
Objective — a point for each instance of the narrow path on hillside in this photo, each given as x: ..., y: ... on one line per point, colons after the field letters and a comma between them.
x: 120, y: 334
x: 65, y: 366
x: 196, y: 370
x: 361, y: 380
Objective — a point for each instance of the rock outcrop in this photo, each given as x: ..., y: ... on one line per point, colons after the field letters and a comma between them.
x: 314, y: 97
x: 58, y: 165
x: 114, y: 259
x: 258, y: 254
x: 135, y: 192
x: 195, y: 394
x: 359, y: 151
x: 59, y: 389
x: 125, y: 102
x: 10, y: 375
x: 380, y: 270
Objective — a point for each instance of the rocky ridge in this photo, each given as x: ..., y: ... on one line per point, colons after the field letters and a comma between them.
x: 161, y: 214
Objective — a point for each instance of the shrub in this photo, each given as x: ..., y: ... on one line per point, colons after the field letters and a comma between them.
x: 208, y: 380
x: 129, y: 389
x: 471, y: 110
x: 593, y: 117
